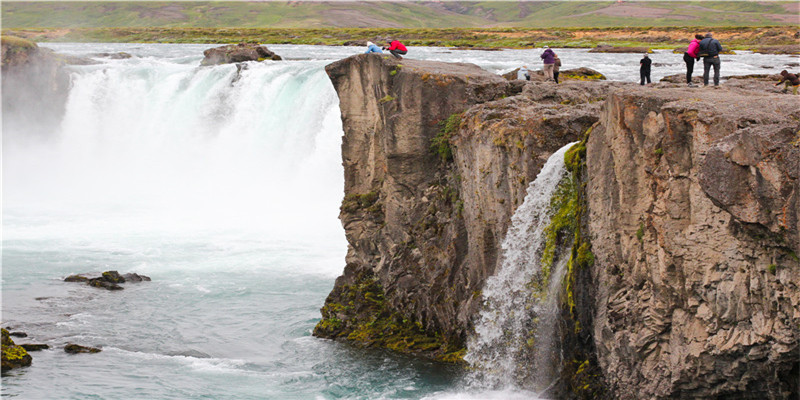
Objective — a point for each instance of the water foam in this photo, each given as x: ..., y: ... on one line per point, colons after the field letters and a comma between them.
x: 511, y: 330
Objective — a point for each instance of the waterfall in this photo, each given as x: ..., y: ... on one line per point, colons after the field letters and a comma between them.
x: 514, y: 339
x: 162, y: 144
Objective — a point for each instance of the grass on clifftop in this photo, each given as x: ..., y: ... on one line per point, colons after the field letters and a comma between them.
x: 733, y: 37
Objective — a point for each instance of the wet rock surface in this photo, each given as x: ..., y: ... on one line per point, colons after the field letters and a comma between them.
x: 72, y: 348
x: 108, y: 280
x: 236, y: 53
x: 693, y: 200
x: 13, y: 356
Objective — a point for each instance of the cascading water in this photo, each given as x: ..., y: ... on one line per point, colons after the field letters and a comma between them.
x: 154, y: 145
x: 514, y: 343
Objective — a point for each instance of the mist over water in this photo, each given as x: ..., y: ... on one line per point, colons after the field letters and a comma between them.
x: 225, y: 189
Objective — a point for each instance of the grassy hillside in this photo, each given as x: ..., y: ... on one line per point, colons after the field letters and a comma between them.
x: 294, y: 14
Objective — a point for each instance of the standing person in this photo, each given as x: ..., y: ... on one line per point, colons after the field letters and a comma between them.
x: 556, y: 67
x: 372, y: 48
x: 690, y: 55
x: 791, y: 80
x: 709, y: 50
x: 549, y: 62
x: 523, y: 73
x: 644, y: 68
x: 396, y: 48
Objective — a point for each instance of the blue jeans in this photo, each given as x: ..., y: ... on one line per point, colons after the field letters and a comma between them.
x: 707, y: 63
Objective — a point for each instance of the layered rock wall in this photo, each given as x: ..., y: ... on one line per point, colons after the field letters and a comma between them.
x: 693, y: 207
x: 684, y: 277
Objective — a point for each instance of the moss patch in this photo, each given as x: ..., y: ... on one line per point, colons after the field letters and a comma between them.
x: 13, y: 356
x: 368, y: 202
x: 359, y: 313
x: 440, y: 144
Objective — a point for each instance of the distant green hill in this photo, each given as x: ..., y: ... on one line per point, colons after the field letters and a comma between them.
x: 404, y: 14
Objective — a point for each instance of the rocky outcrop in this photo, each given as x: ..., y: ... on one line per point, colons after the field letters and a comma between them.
x: 35, y: 87
x: 579, y: 74
x: 13, y: 356
x: 429, y: 195
x: 78, y: 349
x: 604, y: 48
x: 236, y: 53
x: 693, y: 212
x: 683, y: 277
x: 108, y: 280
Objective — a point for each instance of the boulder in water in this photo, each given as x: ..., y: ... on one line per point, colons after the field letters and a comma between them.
x: 109, y: 280
x: 13, y: 355
x: 77, y: 349
x: 34, y: 346
x: 236, y: 53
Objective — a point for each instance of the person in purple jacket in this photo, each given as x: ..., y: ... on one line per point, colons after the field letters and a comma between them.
x: 549, y: 59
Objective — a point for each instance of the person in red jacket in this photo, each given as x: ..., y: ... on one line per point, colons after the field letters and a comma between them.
x: 396, y: 48
x: 692, y: 53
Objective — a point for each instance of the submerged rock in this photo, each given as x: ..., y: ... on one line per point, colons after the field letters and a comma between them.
x: 109, y: 280
x: 77, y: 349
x: 236, y: 53
x: 13, y: 356
x: 34, y: 346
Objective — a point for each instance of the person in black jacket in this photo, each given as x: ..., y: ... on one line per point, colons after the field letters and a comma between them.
x: 709, y: 50
x: 644, y: 68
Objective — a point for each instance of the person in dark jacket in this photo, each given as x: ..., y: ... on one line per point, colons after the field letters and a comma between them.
x: 692, y: 54
x: 791, y: 80
x: 396, y: 48
x: 556, y: 67
x: 644, y: 68
x: 549, y: 59
x: 709, y: 50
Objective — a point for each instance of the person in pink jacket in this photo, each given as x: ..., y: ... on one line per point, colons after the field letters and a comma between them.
x: 692, y: 53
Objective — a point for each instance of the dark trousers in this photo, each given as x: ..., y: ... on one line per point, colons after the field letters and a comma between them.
x: 555, y: 75
x: 645, y: 75
x: 398, y: 53
x: 689, y: 60
x: 707, y: 63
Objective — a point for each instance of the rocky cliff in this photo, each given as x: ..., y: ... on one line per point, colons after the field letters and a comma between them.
x: 693, y: 215
x: 429, y: 195
x: 683, y: 279
x: 35, y: 87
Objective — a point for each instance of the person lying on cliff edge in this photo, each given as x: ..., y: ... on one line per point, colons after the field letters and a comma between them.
x: 372, y: 48
x: 549, y: 60
x: 709, y: 50
x: 692, y: 54
x: 644, y: 68
x: 396, y: 48
x: 791, y: 80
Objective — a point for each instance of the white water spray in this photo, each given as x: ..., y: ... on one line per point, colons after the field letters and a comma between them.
x: 148, y: 145
x: 514, y: 334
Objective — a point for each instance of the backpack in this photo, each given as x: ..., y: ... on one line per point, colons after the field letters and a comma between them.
x: 704, y: 47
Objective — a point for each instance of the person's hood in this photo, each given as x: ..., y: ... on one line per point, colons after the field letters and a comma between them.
x: 370, y: 44
x: 784, y: 72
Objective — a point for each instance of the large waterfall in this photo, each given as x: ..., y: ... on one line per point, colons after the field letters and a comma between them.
x: 154, y: 144
x: 514, y: 344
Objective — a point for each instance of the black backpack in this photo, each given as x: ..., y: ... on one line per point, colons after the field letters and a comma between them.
x: 704, y: 47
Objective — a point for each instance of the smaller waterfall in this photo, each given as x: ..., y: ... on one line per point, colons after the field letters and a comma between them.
x: 514, y: 338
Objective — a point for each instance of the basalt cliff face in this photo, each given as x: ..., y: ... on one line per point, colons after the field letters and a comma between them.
x: 693, y: 215
x: 685, y: 278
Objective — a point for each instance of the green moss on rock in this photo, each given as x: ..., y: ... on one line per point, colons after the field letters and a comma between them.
x: 359, y: 313
x: 13, y: 356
